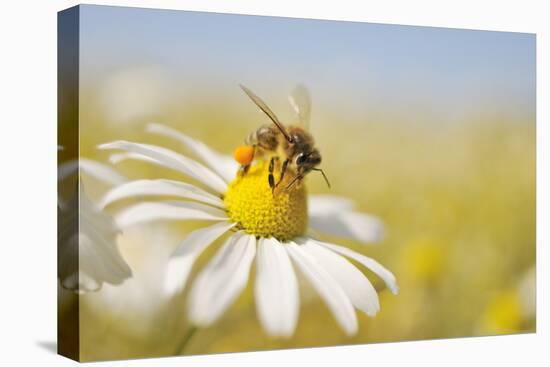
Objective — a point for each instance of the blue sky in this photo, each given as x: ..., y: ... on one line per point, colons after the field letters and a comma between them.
x: 364, y: 64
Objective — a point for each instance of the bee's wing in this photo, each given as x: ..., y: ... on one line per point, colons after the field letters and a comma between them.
x: 263, y: 106
x: 300, y: 101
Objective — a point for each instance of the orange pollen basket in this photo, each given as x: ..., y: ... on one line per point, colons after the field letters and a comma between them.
x: 244, y: 154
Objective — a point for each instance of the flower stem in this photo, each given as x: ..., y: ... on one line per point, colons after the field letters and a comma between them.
x: 182, y: 346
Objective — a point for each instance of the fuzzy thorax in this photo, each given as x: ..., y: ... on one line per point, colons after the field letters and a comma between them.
x: 250, y: 202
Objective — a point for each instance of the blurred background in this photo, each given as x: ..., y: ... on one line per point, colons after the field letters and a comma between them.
x: 430, y: 129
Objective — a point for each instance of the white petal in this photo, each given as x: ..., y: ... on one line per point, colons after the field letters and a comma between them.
x: 357, y: 226
x: 180, y: 264
x: 173, y: 160
x: 356, y: 285
x: 101, y: 172
x: 67, y: 169
x: 323, y: 204
x: 327, y: 287
x: 224, y: 165
x: 88, y: 254
x: 159, y: 187
x: 276, y: 289
x: 91, y: 215
x: 101, y: 262
x: 92, y: 168
x: 97, y: 238
x: 120, y: 157
x: 335, y: 216
x: 222, y: 280
x: 369, y: 263
x: 81, y: 282
x: 152, y: 211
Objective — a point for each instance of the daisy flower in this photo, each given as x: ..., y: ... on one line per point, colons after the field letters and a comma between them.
x: 87, y: 254
x: 271, y: 230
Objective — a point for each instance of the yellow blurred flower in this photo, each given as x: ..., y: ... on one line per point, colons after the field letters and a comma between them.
x: 423, y: 259
x: 503, y: 313
x: 512, y: 310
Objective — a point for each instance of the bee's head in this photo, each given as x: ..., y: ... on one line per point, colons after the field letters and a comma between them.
x: 307, y: 160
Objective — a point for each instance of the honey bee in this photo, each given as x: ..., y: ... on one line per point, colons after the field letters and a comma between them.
x: 292, y: 142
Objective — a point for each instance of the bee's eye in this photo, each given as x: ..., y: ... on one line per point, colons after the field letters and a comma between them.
x: 301, y: 158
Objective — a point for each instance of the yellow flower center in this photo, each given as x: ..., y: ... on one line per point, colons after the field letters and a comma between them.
x: 250, y: 202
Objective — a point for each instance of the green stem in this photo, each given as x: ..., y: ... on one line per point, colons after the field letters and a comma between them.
x: 182, y: 346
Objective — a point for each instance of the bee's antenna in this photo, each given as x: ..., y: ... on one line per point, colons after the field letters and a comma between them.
x: 324, y: 176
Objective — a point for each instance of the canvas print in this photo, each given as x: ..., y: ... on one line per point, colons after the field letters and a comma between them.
x: 233, y: 183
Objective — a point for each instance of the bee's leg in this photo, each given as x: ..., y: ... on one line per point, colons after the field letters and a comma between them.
x: 271, y: 178
x: 298, y: 178
x: 283, y: 170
